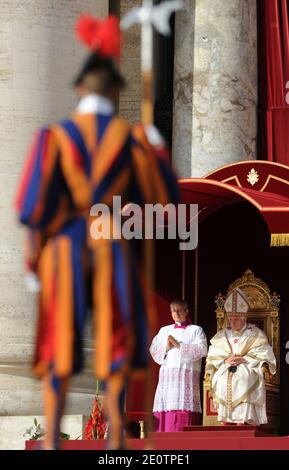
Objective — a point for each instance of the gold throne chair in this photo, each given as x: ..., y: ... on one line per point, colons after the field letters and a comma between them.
x: 264, y: 313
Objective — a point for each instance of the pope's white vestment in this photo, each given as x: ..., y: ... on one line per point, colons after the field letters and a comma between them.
x: 240, y: 396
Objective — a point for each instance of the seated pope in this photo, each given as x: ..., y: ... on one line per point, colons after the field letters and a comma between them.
x: 235, y: 359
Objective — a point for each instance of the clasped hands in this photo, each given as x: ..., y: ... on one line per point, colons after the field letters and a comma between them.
x: 235, y: 360
x: 172, y: 343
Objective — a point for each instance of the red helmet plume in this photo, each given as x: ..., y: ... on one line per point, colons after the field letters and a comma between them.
x: 101, y: 36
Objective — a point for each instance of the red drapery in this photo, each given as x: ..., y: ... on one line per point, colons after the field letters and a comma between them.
x: 273, y: 51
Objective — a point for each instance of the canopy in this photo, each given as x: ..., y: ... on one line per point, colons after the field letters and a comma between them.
x: 263, y: 184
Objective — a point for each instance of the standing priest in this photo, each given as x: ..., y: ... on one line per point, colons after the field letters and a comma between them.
x: 179, y: 349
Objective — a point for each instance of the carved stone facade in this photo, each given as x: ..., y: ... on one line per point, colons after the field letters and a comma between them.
x: 215, y: 85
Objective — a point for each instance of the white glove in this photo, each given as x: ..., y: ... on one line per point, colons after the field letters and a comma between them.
x: 154, y: 136
x: 32, y: 283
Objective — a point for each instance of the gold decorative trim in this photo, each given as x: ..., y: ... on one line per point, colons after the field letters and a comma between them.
x: 233, y: 189
x: 245, y: 162
x: 279, y: 239
x: 142, y: 429
x: 274, y: 209
x: 232, y: 404
x: 235, y: 177
x: 228, y: 187
x: 253, y: 177
x: 229, y: 391
x: 253, y: 357
x: 208, y: 378
x: 277, y: 178
x: 249, y: 278
x: 216, y: 358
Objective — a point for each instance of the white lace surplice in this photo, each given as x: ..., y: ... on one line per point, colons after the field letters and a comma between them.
x: 179, y: 376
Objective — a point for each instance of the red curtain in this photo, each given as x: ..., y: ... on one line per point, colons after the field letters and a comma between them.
x: 273, y: 52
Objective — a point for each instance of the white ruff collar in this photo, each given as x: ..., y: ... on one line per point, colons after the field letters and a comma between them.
x: 95, y: 104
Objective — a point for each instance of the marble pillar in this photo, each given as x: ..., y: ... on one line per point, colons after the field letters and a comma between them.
x: 215, y: 85
x: 130, y: 98
x: 39, y: 57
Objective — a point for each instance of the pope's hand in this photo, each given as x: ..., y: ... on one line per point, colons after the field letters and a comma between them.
x: 235, y: 360
x: 239, y: 360
x: 231, y: 360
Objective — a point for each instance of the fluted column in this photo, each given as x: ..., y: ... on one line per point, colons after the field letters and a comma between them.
x: 215, y: 85
x: 39, y: 57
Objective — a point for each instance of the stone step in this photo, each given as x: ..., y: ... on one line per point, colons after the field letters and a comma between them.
x: 221, y: 443
x: 207, y: 434
x: 222, y: 428
x: 12, y: 429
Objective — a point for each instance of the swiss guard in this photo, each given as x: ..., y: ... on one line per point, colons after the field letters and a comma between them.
x: 74, y: 165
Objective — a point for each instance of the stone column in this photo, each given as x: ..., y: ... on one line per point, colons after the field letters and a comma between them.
x: 130, y: 98
x: 38, y: 60
x: 215, y: 85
